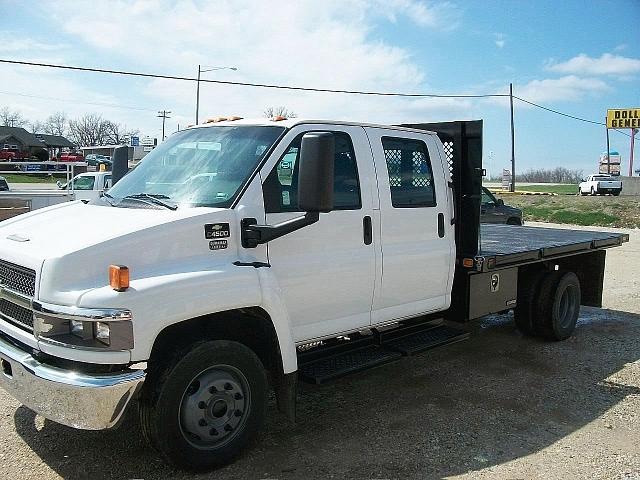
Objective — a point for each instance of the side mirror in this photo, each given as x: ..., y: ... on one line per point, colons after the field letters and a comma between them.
x: 315, y: 176
x: 500, y: 202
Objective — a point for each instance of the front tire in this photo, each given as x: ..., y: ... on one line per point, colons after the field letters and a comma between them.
x: 201, y: 410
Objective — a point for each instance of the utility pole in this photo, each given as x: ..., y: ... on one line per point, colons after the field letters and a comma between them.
x: 513, y: 146
x: 198, y: 93
x: 608, y: 153
x: 163, y: 114
x: 200, y: 71
x: 633, y: 134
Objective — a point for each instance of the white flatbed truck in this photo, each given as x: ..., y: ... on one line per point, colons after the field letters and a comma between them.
x: 245, y: 255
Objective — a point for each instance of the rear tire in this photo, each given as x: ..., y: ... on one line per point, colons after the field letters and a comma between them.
x: 616, y: 193
x: 514, y: 221
x: 558, y: 305
x: 525, y: 312
x: 202, y: 409
x: 593, y: 191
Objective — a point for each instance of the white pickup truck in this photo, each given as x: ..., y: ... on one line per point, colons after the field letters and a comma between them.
x: 87, y: 186
x: 600, y: 185
x: 243, y: 255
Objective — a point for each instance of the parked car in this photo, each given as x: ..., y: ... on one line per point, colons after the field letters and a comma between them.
x: 493, y: 210
x: 88, y: 186
x: 4, y: 186
x: 600, y: 185
x: 95, y: 160
x: 71, y: 157
x: 7, y: 155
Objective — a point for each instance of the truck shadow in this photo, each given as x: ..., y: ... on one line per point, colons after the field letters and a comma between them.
x: 480, y: 403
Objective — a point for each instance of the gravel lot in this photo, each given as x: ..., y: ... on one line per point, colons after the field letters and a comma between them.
x: 496, y: 406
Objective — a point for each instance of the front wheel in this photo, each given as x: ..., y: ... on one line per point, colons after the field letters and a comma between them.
x: 202, y: 410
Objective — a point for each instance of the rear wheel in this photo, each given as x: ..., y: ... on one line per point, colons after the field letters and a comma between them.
x: 525, y: 311
x: 593, y: 191
x: 200, y: 411
x: 616, y: 193
x: 558, y: 305
x: 514, y: 221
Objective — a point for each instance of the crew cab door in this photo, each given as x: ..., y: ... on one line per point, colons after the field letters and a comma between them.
x: 417, y: 238
x: 326, y: 271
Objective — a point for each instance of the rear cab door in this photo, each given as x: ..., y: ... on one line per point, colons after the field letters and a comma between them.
x: 416, y: 235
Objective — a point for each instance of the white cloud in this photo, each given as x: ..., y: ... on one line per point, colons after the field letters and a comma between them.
x: 329, y: 44
x: 607, y: 64
x: 18, y: 42
x: 568, y: 88
x: 441, y: 16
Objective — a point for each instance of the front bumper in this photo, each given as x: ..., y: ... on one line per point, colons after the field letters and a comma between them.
x: 79, y: 400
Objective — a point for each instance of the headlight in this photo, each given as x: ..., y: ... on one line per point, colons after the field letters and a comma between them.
x: 80, y: 329
x: 103, y: 333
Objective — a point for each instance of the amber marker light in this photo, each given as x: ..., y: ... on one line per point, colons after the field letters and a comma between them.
x: 467, y: 262
x: 119, y: 277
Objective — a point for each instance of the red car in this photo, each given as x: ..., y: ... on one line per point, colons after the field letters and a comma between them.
x: 71, y: 157
x: 7, y: 155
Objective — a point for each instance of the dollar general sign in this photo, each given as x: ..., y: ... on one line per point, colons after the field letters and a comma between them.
x: 623, y: 118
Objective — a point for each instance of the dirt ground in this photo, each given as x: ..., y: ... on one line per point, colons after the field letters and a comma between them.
x: 496, y: 406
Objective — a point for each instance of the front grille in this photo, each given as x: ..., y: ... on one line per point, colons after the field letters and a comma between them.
x: 20, y: 279
x: 20, y: 316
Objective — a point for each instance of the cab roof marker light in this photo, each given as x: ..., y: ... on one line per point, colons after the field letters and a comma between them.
x: 278, y: 118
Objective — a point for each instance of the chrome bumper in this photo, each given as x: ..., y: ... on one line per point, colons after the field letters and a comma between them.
x: 86, y: 401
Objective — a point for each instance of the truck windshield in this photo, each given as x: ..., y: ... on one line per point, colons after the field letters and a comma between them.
x: 200, y: 167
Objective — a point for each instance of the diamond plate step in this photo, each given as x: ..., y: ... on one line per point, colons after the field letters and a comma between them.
x: 426, y: 339
x: 352, y: 361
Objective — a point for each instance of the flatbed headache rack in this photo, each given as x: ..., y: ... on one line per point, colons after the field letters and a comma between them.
x: 483, y: 249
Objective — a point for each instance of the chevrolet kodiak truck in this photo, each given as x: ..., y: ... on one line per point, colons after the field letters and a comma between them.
x: 242, y: 255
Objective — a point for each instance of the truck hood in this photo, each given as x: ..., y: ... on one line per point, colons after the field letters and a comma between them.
x: 74, y: 243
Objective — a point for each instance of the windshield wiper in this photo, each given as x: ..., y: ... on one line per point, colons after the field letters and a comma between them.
x: 153, y: 198
x: 109, y: 198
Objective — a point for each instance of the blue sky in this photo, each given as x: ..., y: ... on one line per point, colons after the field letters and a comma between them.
x: 574, y: 56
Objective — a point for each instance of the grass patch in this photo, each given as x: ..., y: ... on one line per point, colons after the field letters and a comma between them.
x: 34, y: 178
x: 602, y: 211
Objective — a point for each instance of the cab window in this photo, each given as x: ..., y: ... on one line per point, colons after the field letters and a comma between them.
x: 83, y: 183
x: 280, y: 189
x: 410, y: 173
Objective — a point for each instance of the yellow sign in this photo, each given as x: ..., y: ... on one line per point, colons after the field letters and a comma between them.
x: 623, y: 118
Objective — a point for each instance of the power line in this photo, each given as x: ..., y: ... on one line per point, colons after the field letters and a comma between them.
x: 247, y: 84
x: 289, y: 87
x: 567, y: 115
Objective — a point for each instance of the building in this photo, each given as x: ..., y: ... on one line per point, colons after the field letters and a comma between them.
x: 136, y: 149
x: 41, y: 146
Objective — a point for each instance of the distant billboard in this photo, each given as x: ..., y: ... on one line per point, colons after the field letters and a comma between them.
x: 623, y: 118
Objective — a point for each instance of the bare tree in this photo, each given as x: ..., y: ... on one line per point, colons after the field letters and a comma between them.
x: 92, y: 129
x: 88, y: 130
x: 9, y: 118
x: 271, y: 112
x: 36, y: 126
x: 117, y: 134
x: 56, y: 124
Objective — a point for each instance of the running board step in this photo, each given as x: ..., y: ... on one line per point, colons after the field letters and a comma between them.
x: 423, y: 340
x: 335, y: 366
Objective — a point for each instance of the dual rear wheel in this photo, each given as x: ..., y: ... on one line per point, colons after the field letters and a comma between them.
x: 548, y: 305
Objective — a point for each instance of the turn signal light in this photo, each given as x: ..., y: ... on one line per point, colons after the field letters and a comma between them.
x: 119, y: 277
x: 467, y: 262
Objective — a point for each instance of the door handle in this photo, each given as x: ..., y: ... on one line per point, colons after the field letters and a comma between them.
x: 441, y: 225
x: 367, y: 230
